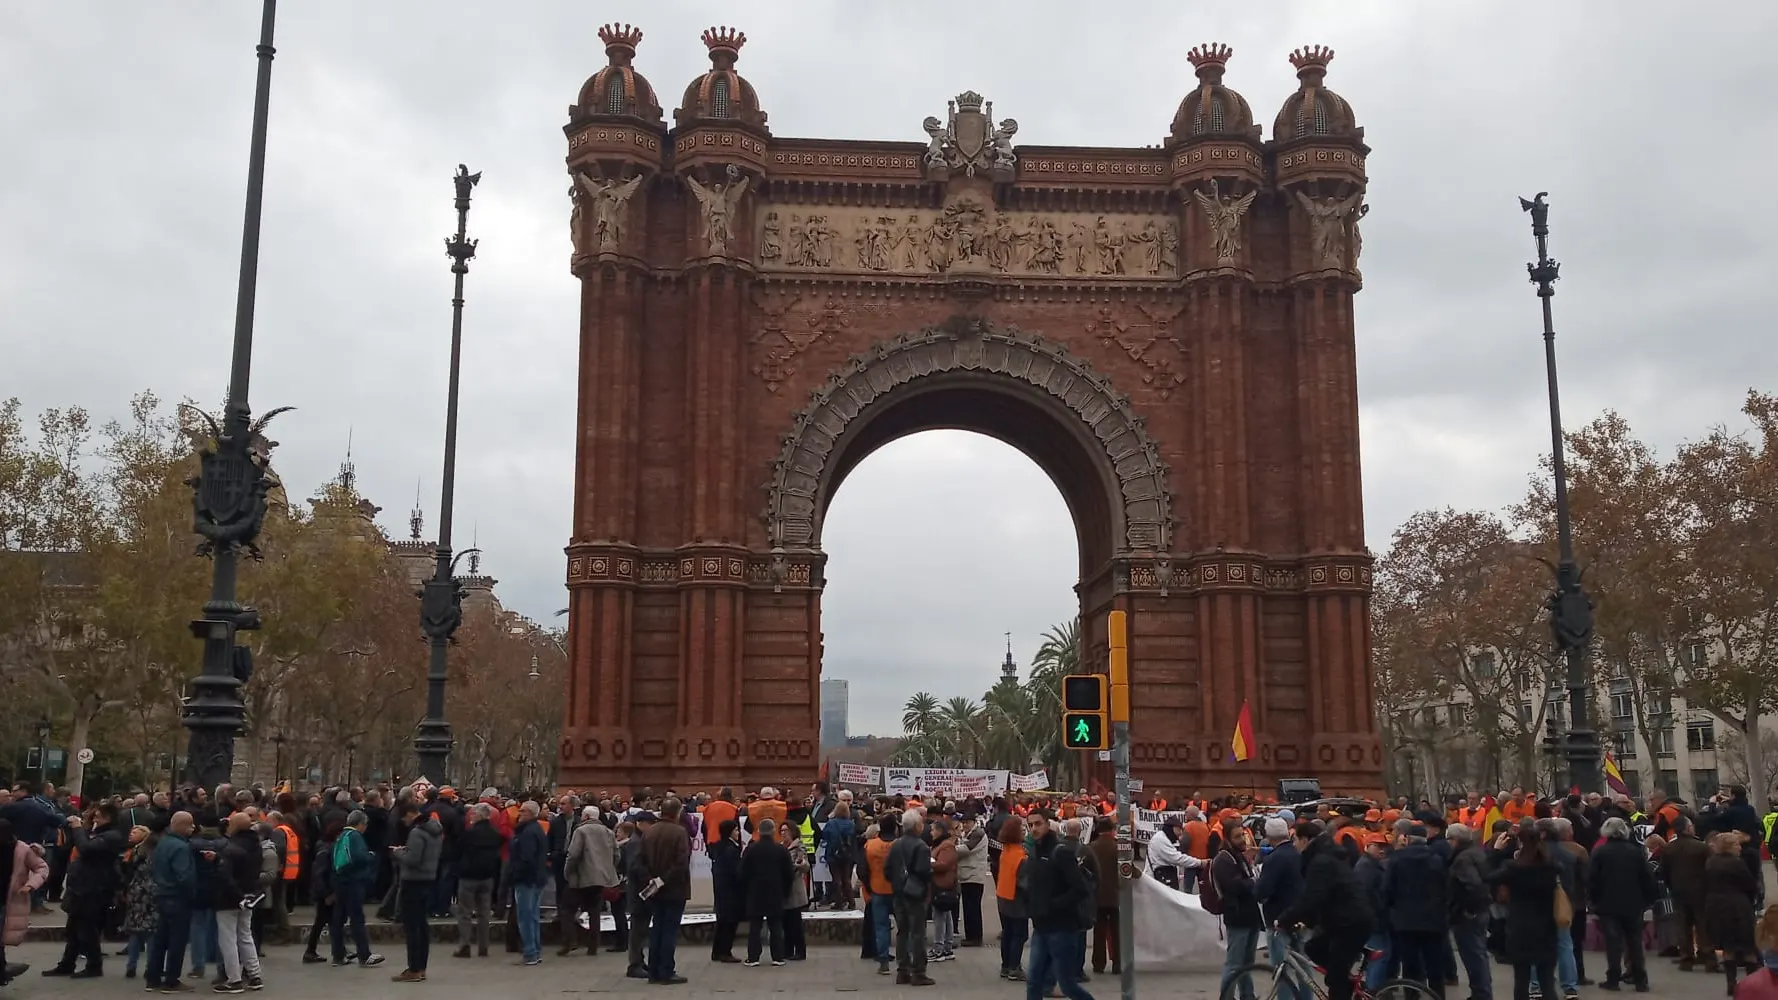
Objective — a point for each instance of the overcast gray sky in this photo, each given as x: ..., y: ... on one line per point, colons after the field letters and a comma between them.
x: 126, y: 131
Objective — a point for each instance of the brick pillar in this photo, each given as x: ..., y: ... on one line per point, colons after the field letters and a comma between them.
x: 602, y: 555
x: 713, y: 561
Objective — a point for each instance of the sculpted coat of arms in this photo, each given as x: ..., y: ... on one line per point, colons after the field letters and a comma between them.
x: 970, y: 141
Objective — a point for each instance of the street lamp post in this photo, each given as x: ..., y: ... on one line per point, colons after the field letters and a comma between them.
x: 230, y: 489
x: 441, y: 600
x: 42, y: 750
x: 277, y: 758
x: 1571, y: 610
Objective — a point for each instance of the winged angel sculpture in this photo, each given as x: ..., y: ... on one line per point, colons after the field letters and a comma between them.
x: 719, y: 202
x: 608, y: 199
x: 1224, y: 213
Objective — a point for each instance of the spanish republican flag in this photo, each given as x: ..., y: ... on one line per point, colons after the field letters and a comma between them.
x: 1614, y: 778
x: 1241, y: 744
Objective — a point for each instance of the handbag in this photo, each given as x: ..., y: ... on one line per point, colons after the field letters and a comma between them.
x: 1564, y: 910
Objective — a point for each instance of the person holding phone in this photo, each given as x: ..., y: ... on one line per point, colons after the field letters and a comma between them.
x: 237, y: 890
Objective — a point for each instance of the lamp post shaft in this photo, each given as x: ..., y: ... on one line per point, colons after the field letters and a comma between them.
x: 1571, y: 610
x: 231, y: 485
x: 441, y: 601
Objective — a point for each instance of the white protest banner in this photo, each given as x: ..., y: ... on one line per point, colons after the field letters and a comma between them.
x: 1035, y: 782
x: 940, y: 780
x: 901, y: 780
x: 859, y: 774
x: 975, y: 786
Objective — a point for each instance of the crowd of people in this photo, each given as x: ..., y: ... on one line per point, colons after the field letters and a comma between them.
x: 1438, y: 895
x: 1424, y: 894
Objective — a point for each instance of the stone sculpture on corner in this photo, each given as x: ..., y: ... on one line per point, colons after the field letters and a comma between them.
x: 719, y: 202
x: 1225, y: 213
x: 609, y: 200
x: 1327, y: 217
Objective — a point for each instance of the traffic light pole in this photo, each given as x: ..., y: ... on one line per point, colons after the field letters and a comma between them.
x: 1117, y: 629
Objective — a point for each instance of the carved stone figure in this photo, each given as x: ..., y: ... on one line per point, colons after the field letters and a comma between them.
x: 1004, y: 157
x: 910, y: 240
x: 1108, y: 241
x: 575, y: 220
x: 872, y: 242
x: 1224, y: 214
x: 609, y: 200
x: 935, y: 141
x: 1002, y: 243
x: 1358, y: 240
x: 969, y: 141
x: 820, y: 241
x: 1148, y: 240
x: 1046, y: 246
x: 1080, y: 245
x: 771, y: 241
x: 1327, y: 218
x: 719, y: 202
x: 1169, y: 250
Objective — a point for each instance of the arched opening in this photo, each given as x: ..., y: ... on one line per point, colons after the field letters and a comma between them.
x: 939, y: 544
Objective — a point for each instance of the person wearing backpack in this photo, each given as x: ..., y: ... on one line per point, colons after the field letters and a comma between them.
x: 354, y: 872
x: 1229, y: 893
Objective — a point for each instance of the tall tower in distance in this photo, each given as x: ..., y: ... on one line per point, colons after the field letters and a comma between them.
x: 836, y: 710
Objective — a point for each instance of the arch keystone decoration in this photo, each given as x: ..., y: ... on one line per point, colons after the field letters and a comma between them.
x: 968, y: 345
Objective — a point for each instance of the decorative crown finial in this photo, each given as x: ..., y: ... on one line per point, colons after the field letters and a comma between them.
x: 969, y: 100
x: 1311, y: 59
x: 1210, y: 58
x: 724, y: 37
x: 620, y: 37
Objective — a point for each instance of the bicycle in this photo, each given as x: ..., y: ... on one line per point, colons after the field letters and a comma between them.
x: 1307, y: 975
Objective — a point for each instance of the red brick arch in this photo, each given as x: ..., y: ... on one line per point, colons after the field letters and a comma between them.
x: 1167, y: 332
x: 967, y: 374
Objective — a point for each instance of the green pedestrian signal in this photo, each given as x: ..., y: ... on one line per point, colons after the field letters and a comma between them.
x: 1084, y: 731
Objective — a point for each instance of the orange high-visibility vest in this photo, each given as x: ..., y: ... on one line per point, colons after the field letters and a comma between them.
x: 293, y: 854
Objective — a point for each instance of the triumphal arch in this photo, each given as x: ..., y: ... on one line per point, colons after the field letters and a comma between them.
x: 1167, y: 330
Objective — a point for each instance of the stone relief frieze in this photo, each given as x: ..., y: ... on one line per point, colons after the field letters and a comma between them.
x: 967, y: 233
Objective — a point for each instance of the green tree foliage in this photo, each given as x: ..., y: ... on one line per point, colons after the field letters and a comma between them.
x: 99, y: 579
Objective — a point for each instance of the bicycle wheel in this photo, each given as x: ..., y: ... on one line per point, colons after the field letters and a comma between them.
x: 1267, y: 984
x: 1402, y: 989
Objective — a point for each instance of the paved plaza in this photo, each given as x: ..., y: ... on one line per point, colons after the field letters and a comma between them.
x: 831, y: 969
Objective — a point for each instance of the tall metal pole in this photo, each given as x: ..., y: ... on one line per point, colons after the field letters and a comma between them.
x: 441, y: 600
x: 1117, y: 631
x: 231, y: 486
x: 1571, y: 610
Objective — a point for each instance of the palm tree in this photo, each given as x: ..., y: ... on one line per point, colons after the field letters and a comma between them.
x: 961, y: 720
x: 1056, y: 657
x: 920, y: 716
x: 1009, y: 724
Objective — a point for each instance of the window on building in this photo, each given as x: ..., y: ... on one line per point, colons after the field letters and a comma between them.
x: 614, y: 94
x: 1669, y: 781
x: 1700, y: 736
x: 1459, y: 716
x: 1661, y: 742
x: 1482, y: 664
x: 1704, y: 784
x: 1697, y: 654
x: 1624, y: 744
x: 1633, y: 781
x: 1660, y: 708
x: 1430, y: 718
x: 719, y: 102
x: 1622, y: 705
x: 1556, y: 712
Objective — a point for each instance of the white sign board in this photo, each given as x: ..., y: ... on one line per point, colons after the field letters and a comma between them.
x: 84, y: 755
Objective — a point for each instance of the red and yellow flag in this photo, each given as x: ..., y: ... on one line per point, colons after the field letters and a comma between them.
x: 1614, y: 778
x: 1241, y: 744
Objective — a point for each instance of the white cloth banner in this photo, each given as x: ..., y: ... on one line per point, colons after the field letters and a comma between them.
x: 1036, y: 781
x: 859, y: 774
x: 1173, y: 933
x: 956, y: 782
x: 1148, y: 822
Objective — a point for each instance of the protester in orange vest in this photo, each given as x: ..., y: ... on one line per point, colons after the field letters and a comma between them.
x: 718, y: 811
x: 284, y: 890
x: 1516, y: 807
x: 767, y: 806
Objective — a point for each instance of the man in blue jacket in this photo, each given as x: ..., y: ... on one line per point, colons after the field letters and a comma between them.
x: 175, y: 870
x: 1279, y: 887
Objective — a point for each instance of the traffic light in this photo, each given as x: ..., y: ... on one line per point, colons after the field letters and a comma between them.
x: 1083, y: 712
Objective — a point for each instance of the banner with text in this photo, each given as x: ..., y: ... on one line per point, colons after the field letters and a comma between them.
x: 859, y: 774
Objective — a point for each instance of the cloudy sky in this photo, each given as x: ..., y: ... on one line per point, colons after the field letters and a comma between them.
x: 126, y: 132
